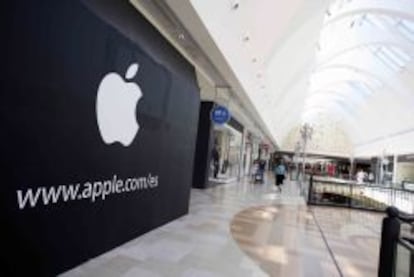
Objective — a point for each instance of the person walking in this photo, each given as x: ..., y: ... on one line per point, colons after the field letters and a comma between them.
x: 280, y: 172
x: 216, y: 161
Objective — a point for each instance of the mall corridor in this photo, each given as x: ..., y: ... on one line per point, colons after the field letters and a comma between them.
x: 245, y: 229
x: 142, y: 138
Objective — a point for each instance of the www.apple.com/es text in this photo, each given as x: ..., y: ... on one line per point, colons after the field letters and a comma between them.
x: 88, y: 190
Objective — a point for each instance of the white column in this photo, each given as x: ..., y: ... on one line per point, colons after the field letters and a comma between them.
x: 242, y: 151
x: 395, y: 169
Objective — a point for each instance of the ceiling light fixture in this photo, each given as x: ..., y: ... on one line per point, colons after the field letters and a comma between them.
x: 235, y: 4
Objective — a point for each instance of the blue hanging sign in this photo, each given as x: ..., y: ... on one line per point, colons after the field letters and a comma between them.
x: 220, y: 115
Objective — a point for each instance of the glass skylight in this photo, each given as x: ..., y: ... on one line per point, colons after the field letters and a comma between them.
x: 406, y: 29
x: 364, y: 51
x: 335, y: 41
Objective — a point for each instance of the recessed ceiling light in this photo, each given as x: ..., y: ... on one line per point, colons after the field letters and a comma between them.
x: 254, y: 60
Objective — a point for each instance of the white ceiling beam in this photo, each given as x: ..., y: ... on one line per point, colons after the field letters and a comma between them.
x: 398, y: 8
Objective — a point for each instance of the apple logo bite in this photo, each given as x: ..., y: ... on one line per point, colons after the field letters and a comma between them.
x: 116, y: 104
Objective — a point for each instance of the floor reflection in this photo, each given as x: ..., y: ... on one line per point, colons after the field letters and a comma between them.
x: 248, y: 230
x: 285, y: 240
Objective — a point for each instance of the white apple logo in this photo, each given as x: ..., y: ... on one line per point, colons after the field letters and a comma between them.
x: 116, y: 104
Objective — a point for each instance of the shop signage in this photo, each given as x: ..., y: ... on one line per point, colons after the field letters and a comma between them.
x: 116, y: 103
x: 220, y: 115
x: 406, y: 158
x: 99, y: 123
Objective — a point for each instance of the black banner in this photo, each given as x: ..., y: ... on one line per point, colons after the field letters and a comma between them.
x: 99, y: 119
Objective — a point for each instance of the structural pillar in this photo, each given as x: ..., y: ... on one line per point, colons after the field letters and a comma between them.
x: 395, y: 169
x: 204, y: 146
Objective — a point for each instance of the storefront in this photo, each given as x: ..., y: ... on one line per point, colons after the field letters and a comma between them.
x: 228, y: 141
x: 404, y: 171
x: 99, y: 123
x: 218, y: 156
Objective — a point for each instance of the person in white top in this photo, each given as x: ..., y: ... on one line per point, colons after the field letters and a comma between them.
x: 360, y: 176
x: 371, y: 177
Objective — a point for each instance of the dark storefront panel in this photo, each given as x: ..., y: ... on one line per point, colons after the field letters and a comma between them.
x: 102, y: 187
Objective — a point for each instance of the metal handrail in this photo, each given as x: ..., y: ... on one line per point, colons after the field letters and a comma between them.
x: 407, y: 243
x: 348, y: 193
x: 390, y: 237
x: 404, y: 217
x: 336, y: 181
x: 407, y: 218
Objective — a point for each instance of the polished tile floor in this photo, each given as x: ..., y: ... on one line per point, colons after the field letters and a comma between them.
x: 241, y: 229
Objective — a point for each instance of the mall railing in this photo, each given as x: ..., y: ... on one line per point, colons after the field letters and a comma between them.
x: 397, y: 240
x: 348, y: 193
x: 397, y: 245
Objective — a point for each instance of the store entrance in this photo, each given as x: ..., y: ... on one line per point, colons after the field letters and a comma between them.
x: 227, y: 145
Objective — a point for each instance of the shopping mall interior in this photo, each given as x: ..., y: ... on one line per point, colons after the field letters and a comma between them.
x: 197, y: 138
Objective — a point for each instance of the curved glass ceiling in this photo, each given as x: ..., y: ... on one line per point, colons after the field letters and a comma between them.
x: 363, y: 68
x: 342, y: 63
